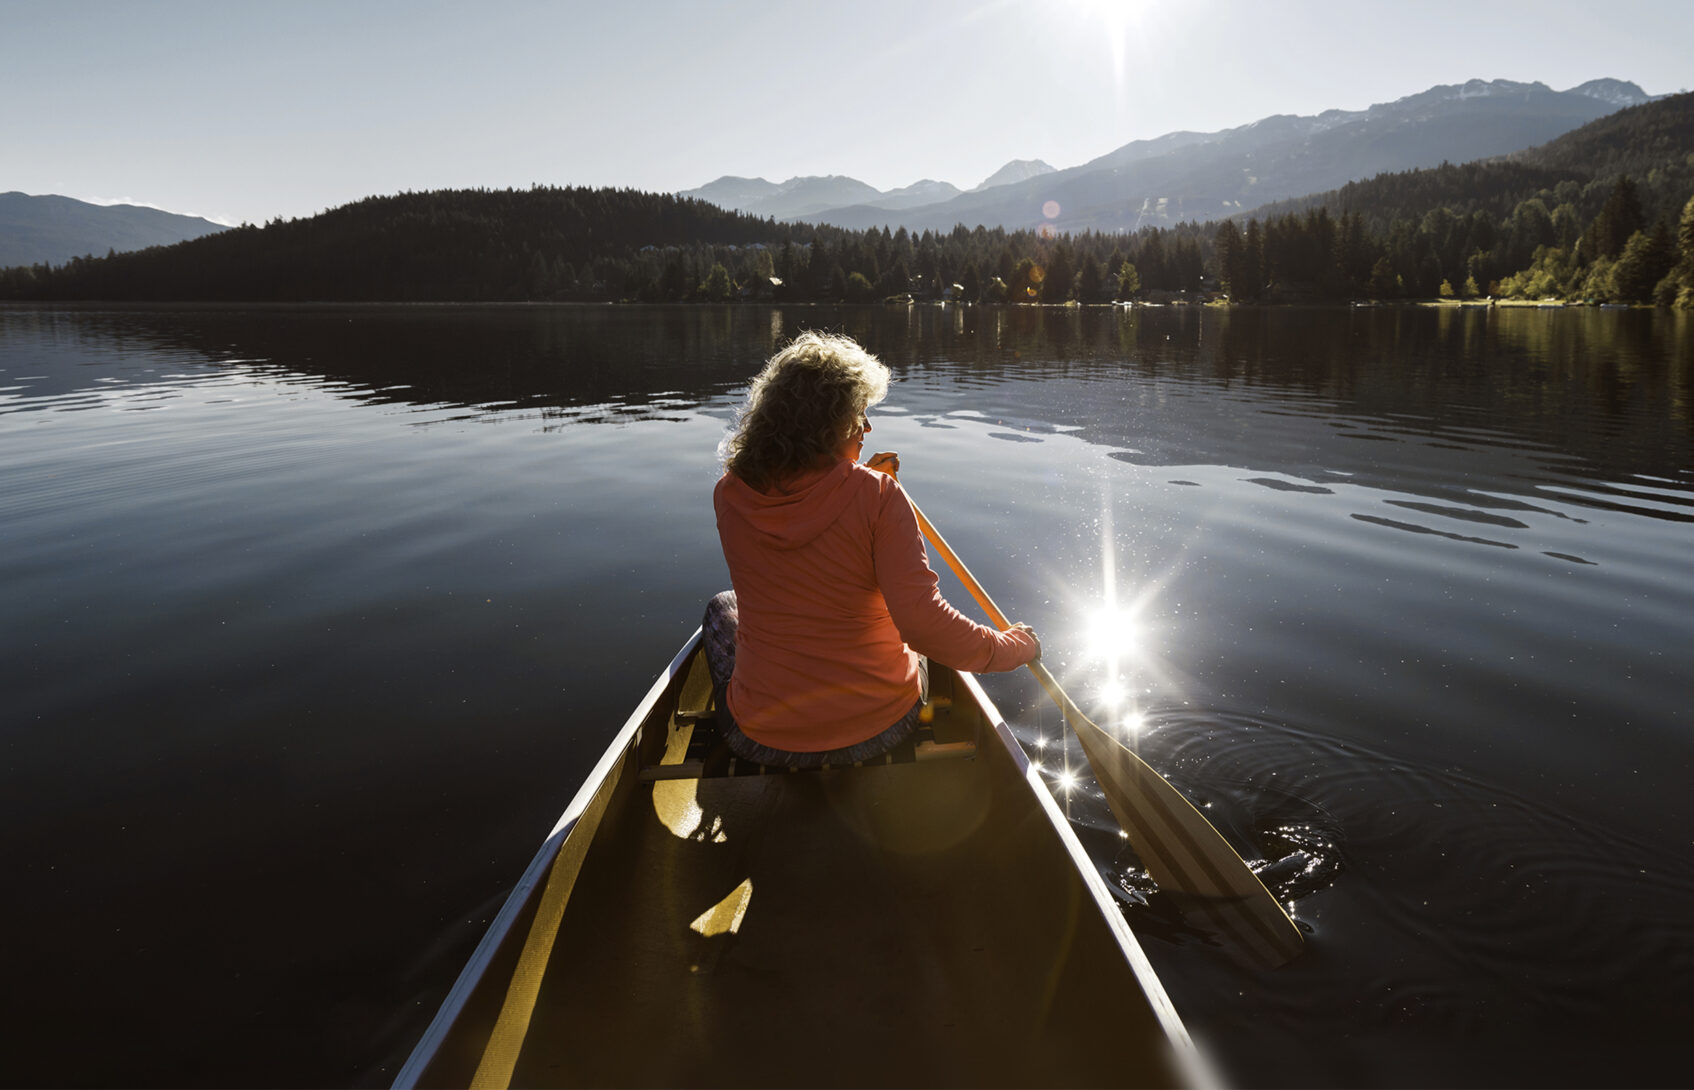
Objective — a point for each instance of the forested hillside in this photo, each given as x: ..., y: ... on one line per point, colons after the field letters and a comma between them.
x: 448, y: 245
x: 1552, y: 221
x: 1604, y: 214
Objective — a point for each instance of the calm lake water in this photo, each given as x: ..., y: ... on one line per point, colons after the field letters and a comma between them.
x: 313, y: 619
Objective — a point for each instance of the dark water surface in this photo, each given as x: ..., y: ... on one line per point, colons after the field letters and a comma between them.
x: 312, y: 620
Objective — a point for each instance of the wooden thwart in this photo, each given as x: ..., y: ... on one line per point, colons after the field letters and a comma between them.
x: 707, y: 756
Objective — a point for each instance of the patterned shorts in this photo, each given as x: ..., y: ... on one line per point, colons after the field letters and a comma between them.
x: 718, y: 637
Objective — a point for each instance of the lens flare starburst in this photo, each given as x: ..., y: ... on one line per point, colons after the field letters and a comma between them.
x: 1112, y: 635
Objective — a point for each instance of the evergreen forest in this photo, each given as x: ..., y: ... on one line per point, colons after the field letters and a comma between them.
x: 1602, y: 215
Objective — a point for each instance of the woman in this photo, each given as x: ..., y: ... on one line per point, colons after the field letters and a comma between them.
x: 816, y: 652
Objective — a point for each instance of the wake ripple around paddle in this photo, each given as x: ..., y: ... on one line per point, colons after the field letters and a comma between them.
x: 1451, y: 900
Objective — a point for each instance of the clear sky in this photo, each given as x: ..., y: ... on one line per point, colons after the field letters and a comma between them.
x: 244, y: 110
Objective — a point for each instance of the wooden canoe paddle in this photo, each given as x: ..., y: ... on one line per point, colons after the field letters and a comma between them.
x: 1183, y: 852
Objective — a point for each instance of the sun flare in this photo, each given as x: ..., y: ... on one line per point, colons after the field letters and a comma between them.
x: 1112, y: 635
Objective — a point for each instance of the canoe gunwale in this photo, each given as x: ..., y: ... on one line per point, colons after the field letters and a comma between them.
x: 534, y: 877
x: 1182, y: 1046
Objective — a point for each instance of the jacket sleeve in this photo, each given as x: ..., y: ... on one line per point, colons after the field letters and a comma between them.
x: 925, y: 620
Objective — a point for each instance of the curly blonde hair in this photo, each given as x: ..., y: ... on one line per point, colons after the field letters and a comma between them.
x: 802, y: 407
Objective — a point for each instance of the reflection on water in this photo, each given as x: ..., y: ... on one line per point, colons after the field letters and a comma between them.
x: 620, y: 362
x: 316, y: 616
x: 1604, y: 391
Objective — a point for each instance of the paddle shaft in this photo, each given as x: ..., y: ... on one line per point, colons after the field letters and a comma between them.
x: 1042, y: 674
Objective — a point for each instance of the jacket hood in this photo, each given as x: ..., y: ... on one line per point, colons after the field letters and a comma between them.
x: 793, y: 518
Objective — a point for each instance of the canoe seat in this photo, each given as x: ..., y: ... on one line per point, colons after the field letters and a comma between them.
x: 708, y: 755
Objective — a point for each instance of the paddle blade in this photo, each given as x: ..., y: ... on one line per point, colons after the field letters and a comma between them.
x: 1185, y: 854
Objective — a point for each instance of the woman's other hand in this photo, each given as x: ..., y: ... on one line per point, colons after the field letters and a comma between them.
x: 884, y: 461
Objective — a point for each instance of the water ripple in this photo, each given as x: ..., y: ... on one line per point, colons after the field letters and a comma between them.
x: 1414, y: 528
x: 1477, y: 890
x: 1460, y: 513
x: 1667, y: 504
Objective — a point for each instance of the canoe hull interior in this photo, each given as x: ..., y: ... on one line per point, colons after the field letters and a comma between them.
x: 928, y: 923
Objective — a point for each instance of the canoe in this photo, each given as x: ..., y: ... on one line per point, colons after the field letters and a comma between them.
x: 695, y: 921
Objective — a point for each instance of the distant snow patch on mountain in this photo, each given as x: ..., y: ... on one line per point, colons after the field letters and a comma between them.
x: 924, y: 191
x: 1018, y: 170
x: 795, y: 197
x: 1614, y: 92
x: 732, y: 192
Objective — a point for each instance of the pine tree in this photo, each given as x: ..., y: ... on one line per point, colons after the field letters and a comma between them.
x: 1150, y: 262
x: 1253, y: 262
x: 1383, y: 282
x: 1353, y: 254
x: 1059, y: 276
x: 1645, y: 260
x: 1228, y: 244
x: 1186, y: 264
x: 1090, y: 282
x: 1620, y: 217
x: 540, y: 276
x: 1685, y: 243
x: 1681, y: 288
x: 972, y: 283
x: 821, y: 269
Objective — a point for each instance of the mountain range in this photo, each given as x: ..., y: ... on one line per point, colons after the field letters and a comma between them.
x: 1204, y: 176
x: 800, y: 198
x: 1181, y: 176
x: 1590, y: 215
x: 51, y: 229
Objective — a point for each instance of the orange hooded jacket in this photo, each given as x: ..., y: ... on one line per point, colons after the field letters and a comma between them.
x: 837, y: 600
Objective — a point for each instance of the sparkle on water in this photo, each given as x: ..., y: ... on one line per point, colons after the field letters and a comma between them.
x: 1112, y: 635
